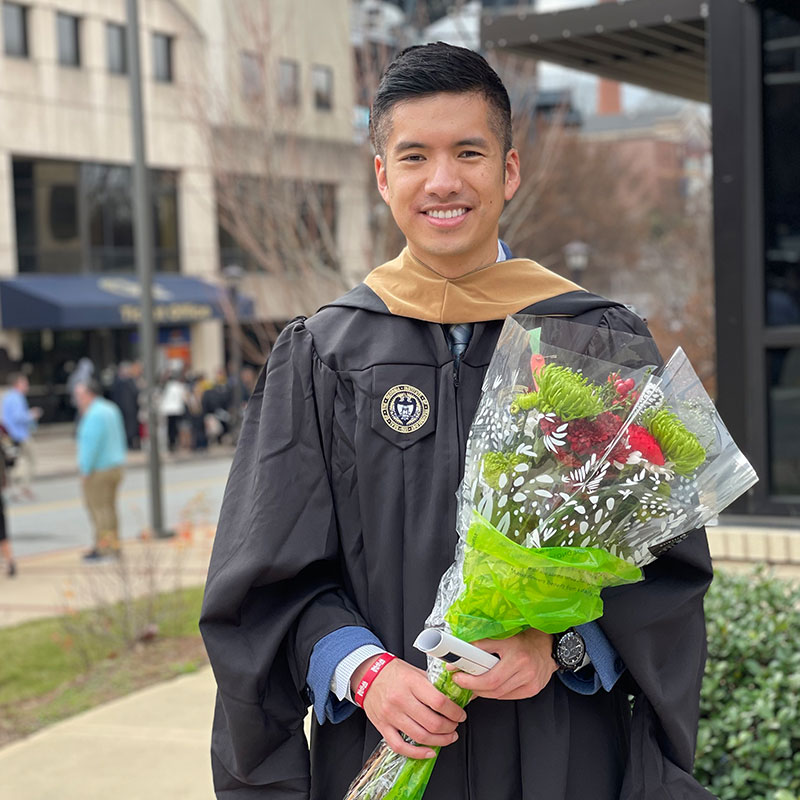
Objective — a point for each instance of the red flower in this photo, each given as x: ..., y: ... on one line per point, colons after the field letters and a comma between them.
x: 642, y: 440
x: 593, y: 435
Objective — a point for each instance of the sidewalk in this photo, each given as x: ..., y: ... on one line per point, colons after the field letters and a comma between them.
x: 50, y: 584
x: 151, y: 744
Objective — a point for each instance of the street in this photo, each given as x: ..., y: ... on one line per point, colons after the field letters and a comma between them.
x: 57, y: 518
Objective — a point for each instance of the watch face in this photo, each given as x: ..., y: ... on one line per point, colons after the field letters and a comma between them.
x: 570, y: 650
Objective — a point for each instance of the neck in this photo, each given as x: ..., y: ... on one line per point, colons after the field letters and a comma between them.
x: 453, y: 267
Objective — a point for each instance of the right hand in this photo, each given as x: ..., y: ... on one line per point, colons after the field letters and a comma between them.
x: 401, y: 698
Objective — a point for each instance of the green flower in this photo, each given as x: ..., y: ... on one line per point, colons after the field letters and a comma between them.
x: 678, y: 443
x: 563, y: 392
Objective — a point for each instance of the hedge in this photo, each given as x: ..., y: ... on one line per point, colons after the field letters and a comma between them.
x: 749, y: 737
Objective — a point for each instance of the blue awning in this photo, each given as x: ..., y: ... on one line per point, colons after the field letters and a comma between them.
x: 33, y: 302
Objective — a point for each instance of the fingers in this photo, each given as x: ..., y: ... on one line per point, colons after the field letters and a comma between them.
x: 404, y: 748
x: 433, y: 722
x: 424, y: 737
x: 431, y: 697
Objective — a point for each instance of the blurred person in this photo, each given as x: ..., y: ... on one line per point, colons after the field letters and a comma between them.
x: 20, y: 420
x: 125, y: 393
x: 7, y: 456
x: 248, y: 377
x: 216, y: 401
x: 82, y: 373
x: 196, y: 414
x: 172, y: 406
x: 101, y: 457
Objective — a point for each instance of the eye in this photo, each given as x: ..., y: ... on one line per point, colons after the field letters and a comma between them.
x: 413, y: 157
x: 469, y: 154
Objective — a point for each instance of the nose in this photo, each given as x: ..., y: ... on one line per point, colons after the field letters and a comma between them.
x: 444, y: 178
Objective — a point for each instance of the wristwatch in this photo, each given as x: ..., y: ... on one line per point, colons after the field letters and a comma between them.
x: 569, y: 650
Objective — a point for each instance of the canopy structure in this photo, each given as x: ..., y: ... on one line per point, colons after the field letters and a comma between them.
x: 658, y: 44
x: 58, y: 302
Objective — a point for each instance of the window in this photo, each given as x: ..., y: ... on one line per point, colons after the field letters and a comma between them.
x: 162, y: 57
x: 322, y: 80
x: 288, y: 83
x: 289, y: 222
x: 15, y: 30
x: 252, y: 76
x: 73, y: 217
x: 783, y: 374
x: 68, y: 33
x: 116, y: 48
x: 781, y: 93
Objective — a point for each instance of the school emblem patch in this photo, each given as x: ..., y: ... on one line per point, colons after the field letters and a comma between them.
x: 405, y: 408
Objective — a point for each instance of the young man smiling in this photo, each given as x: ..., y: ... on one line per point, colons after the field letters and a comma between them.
x: 339, y: 515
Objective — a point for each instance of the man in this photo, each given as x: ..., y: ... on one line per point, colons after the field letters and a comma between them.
x: 125, y: 393
x: 101, y: 456
x: 20, y: 420
x: 339, y: 517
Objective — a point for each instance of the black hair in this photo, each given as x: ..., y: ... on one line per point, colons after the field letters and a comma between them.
x: 428, y: 69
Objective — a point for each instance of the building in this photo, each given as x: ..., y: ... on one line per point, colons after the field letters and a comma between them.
x: 668, y: 152
x: 223, y: 84
x: 743, y: 57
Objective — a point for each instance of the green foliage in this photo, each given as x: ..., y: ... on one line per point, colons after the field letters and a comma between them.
x: 749, y: 738
x: 563, y: 392
x: 679, y: 444
x: 40, y: 656
x: 497, y: 463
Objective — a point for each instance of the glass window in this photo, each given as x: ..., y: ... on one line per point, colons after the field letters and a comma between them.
x: 322, y: 80
x: 15, y: 30
x: 46, y: 215
x: 162, y: 57
x: 781, y: 75
x: 252, y: 75
x: 116, y: 47
x: 784, y: 420
x: 72, y: 217
x: 288, y: 83
x: 291, y: 222
x: 68, y: 32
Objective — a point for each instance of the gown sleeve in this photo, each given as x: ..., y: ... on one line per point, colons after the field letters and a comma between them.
x: 274, y: 583
x: 658, y: 628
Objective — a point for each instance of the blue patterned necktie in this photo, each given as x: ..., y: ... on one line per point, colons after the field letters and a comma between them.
x: 459, y: 339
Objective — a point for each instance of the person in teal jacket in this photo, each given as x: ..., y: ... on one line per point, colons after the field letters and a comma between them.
x: 102, y: 448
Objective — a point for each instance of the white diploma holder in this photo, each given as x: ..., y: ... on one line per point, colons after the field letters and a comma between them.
x: 461, y: 654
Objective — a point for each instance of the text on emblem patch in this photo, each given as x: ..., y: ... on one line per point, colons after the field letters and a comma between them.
x: 405, y: 408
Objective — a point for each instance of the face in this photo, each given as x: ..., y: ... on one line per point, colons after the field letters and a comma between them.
x: 446, y: 179
x: 83, y: 397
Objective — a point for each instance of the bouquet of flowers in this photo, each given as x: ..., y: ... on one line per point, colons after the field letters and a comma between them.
x: 579, y: 471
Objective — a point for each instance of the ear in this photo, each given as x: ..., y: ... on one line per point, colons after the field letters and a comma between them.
x: 380, y: 177
x: 512, y: 174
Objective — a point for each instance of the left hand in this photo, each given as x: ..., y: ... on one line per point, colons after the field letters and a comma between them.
x: 525, y: 667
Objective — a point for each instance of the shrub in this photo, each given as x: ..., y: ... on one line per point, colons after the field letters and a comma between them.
x: 749, y: 738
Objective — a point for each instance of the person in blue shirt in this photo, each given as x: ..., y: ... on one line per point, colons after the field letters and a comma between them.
x: 102, y: 448
x: 20, y: 420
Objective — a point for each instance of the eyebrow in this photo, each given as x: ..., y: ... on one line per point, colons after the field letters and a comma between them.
x: 410, y: 145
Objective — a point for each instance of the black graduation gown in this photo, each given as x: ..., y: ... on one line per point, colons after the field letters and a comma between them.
x: 331, y: 518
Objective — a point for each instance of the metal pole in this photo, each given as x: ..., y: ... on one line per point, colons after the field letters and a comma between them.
x: 142, y: 225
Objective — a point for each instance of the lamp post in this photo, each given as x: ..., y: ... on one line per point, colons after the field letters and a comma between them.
x: 144, y: 266
x: 576, y: 255
x: 233, y: 275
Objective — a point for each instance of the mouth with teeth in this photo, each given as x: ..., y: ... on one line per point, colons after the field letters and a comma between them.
x: 446, y: 218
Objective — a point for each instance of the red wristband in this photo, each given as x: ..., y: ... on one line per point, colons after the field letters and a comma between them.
x: 372, y: 672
